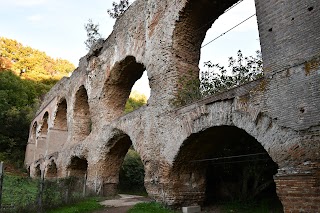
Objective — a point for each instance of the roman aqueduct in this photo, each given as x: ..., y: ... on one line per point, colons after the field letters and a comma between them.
x: 81, y: 128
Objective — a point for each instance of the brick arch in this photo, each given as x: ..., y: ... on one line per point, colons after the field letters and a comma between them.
x: 41, y: 142
x: 77, y: 166
x: 58, y: 134
x: 51, y: 170
x: 202, y: 182
x: 112, y: 157
x: 82, y: 124
x: 60, y: 121
x: 118, y: 85
x: 194, y: 20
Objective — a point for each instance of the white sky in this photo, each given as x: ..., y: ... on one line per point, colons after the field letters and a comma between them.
x: 57, y: 28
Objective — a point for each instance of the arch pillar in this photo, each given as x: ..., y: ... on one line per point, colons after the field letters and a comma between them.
x: 299, y: 188
x: 101, y: 180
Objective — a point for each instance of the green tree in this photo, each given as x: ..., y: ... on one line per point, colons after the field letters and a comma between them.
x: 217, y: 78
x: 135, y: 101
x: 93, y: 34
x: 118, y: 9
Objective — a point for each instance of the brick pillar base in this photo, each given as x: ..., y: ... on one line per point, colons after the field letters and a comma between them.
x: 299, y: 192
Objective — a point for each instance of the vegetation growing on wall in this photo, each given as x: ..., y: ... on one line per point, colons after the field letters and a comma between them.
x: 217, y: 78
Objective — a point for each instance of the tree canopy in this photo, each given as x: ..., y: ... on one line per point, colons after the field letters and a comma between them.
x: 31, y: 63
x: 26, y: 75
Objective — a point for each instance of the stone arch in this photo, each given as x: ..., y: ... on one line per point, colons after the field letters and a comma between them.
x: 60, y: 121
x: 31, y: 146
x: 215, y: 164
x: 118, y: 85
x: 58, y: 134
x: 117, y: 148
x: 77, y: 167
x: 82, y: 123
x: 194, y: 21
x: 51, y: 170
x: 42, y: 137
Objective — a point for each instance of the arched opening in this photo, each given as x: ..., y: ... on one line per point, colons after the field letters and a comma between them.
x: 118, y: 85
x: 37, y: 171
x: 60, y: 122
x: 82, y: 124
x: 30, y: 151
x: 52, y: 170
x: 59, y: 133
x: 225, y: 165
x: 190, y: 41
x: 124, y: 169
x: 77, y: 167
x: 42, y: 139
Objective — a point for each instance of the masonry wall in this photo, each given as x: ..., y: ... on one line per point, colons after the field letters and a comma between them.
x: 289, y: 32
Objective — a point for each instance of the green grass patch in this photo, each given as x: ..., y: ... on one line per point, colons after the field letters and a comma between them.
x: 150, y: 207
x: 79, y: 207
x: 19, y: 190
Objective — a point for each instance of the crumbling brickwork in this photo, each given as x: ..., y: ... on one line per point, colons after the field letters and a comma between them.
x: 83, y: 114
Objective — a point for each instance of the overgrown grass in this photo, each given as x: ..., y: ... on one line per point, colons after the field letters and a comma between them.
x: 18, y: 190
x: 80, y: 207
x: 150, y: 207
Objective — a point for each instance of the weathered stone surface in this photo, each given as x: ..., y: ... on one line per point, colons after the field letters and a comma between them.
x: 80, y: 127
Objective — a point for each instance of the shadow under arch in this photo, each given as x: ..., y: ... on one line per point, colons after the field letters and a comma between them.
x: 117, y: 88
x: 77, y: 167
x: 42, y: 138
x: 51, y: 170
x: 31, y: 146
x: 119, y: 156
x: 223, y: 163
x: 58, y: 134
x: 82, y: 124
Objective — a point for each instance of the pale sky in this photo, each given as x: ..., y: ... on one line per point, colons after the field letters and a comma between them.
x: 57, y: 28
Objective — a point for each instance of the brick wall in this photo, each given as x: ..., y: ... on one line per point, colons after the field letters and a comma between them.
x: 289, y: 32
x: 299, y: 193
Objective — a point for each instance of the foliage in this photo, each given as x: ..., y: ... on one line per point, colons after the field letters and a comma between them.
x: 31, y: 63
x: 135, y: 101
x: 150, y: 207
x: 79, y: 207
x: 22, y: 194
x: 131, y: 178
x: 118, y: 9
x: 217, y: 78
x: 93, y: 34
x: 26, y: 75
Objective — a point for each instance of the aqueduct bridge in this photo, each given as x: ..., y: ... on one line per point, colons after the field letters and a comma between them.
x: 80, y: 126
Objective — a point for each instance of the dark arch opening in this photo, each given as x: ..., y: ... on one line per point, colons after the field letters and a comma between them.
x: 118, y: 85
x: 52, y: 170
x: 78, y: 167
x: 44, y: 126
x: 37, y: 172
x: 82, y: 124
x: 125, y: 170
x: 225, y: 164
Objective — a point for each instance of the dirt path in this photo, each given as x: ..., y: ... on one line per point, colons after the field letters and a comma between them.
x: 122, y: 204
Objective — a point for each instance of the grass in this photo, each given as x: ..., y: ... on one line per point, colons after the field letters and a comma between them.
x: 79, y: 207
x: 18, y: 190
x: 150, y: 207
